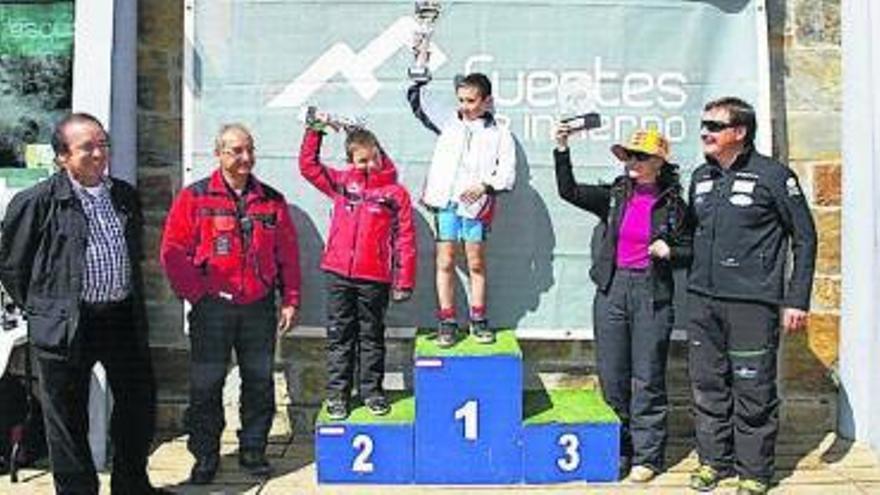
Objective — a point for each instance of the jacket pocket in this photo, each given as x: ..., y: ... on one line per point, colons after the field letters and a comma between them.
x: 47, y: 323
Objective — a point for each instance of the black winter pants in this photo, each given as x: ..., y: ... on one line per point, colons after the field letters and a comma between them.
x: 355, y: 334
x: 106, y: 333
x: 216, y: 327
x: 732, y: 362
x: 632, y: 343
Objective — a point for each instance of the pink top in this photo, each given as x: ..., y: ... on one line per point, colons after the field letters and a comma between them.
x: 634, y: 235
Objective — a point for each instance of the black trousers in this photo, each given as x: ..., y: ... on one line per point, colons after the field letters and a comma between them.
x: 106, y: 334
x: 632, y: 343
x: 732, y: 363
x: 216, y: 328
x: 355, y: 334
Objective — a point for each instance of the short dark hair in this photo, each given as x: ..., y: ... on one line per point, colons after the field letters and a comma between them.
x: 360, y: 137
x: 477, y: 80
x: 59, y: 143
x: 741, y: 113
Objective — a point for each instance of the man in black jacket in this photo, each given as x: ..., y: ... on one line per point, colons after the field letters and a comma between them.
x: 746, y: 209
x: 69, y: 256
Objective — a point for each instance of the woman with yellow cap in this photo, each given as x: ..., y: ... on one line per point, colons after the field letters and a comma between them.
x: 644, y: 237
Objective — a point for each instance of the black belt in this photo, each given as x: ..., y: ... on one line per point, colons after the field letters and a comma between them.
x: 100, y: 307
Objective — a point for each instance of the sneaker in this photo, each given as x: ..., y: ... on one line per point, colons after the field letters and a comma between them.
x: 446, y: 333
x: 705, y: 478
x: 751, y: 487
x: 204, y: 470
x: 641, y: 474
x: 481, y: 331
x: 254, y: 462
x: 377, y: 405
x: 337, y: 408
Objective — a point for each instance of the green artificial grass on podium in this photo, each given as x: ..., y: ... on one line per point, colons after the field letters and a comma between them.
x: 566, y: 406
x: 403, y: 410
x: 505, y: 345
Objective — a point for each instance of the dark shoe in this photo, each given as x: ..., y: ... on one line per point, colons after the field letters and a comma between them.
x: 254, y: 462
x: 751, y: 487
x: 481, y: 331
x: 337, y: 408
x: 378, y: 405
x: 446, y: 333
x: 204, y: 470
x: 136, y: 486
x: 705, y: 478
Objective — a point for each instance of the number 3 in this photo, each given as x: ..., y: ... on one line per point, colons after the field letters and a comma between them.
x: 571, y: 460
x: 364, y: 445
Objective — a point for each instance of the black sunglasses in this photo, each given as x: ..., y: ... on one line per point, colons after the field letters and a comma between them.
x: 715, y: 126
x: 640, y: 156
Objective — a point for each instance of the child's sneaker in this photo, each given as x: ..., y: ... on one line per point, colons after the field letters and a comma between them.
x: 377, y: 405
x: 481, y: 331
x: 446, y: 333
x: 337, y: 408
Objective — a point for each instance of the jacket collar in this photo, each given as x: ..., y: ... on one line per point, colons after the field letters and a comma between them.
x: 217, y: 185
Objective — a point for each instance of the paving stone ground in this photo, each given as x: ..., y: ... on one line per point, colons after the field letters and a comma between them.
x: 820, y: 465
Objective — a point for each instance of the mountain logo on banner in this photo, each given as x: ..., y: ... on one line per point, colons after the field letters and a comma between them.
x: 357, y: 67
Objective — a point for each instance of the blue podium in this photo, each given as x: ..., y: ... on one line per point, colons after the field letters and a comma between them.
x: 367, y: 449
x: 470, y: 423
x: 569, y: 435
x: 468, y: 411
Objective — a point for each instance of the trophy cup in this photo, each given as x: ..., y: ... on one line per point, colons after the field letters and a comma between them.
x: 336, y: 121
x: 583, y: 122
x: 426, y: 14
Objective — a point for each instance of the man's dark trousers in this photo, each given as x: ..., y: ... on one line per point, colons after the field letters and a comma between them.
x: 356, y: 330
x: 216, y: 327
x: 632, y: 343
x: 106, y: 334
x: 733, y: 349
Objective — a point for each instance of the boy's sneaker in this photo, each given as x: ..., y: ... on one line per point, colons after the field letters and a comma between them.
x: 481, y: 331
x: 705, y: 478
x: 377, y: 405
x: 751, y: 487
x: 337, y: 408
x: 446, y: 333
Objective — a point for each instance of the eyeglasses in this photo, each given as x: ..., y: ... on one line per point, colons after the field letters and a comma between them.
x: 89, y: 148
x: 715, y: 126
x: 640, y: 156
x: 238, y: 152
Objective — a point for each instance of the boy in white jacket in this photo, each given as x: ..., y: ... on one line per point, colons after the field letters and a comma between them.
x: 474, y: 159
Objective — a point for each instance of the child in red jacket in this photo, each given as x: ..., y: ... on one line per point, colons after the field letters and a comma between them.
x: 370, y: 256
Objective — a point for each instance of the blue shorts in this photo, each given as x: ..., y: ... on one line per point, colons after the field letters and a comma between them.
x: 450, y: 226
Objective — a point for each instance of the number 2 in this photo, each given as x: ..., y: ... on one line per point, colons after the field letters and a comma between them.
x: 364, y: 445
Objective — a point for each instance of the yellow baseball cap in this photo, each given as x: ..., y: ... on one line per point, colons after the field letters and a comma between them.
x: 648, y: 141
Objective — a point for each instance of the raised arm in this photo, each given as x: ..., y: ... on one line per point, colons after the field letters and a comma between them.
x: 310, y: 166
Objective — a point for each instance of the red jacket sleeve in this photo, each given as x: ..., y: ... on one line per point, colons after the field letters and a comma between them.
x: 405, y: 245
x: 310, y: 166
x: 180, y: 238
x: 287, y: 254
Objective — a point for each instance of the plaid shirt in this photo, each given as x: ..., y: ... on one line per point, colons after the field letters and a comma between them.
x: 107, y: 275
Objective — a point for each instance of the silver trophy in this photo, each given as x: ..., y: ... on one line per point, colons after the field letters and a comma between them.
x: 426, y: 14
x: 344, y: 122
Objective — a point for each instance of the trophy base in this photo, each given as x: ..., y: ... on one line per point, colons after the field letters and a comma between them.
x: 419, y: 74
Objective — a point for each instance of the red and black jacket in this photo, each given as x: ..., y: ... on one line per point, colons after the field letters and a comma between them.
x: 240, y: 248
x: 372, y: 236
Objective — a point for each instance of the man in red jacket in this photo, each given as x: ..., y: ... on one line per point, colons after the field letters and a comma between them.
x: 228, y: 243
x: 370, y: 255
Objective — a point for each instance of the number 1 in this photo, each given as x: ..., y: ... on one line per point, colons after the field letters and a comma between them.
x: 469, y: 413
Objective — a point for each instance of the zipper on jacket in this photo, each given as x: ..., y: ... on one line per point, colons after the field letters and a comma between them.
x: 357, y: 224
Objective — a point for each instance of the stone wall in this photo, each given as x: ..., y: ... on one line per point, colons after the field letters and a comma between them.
x: 805, y: 47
